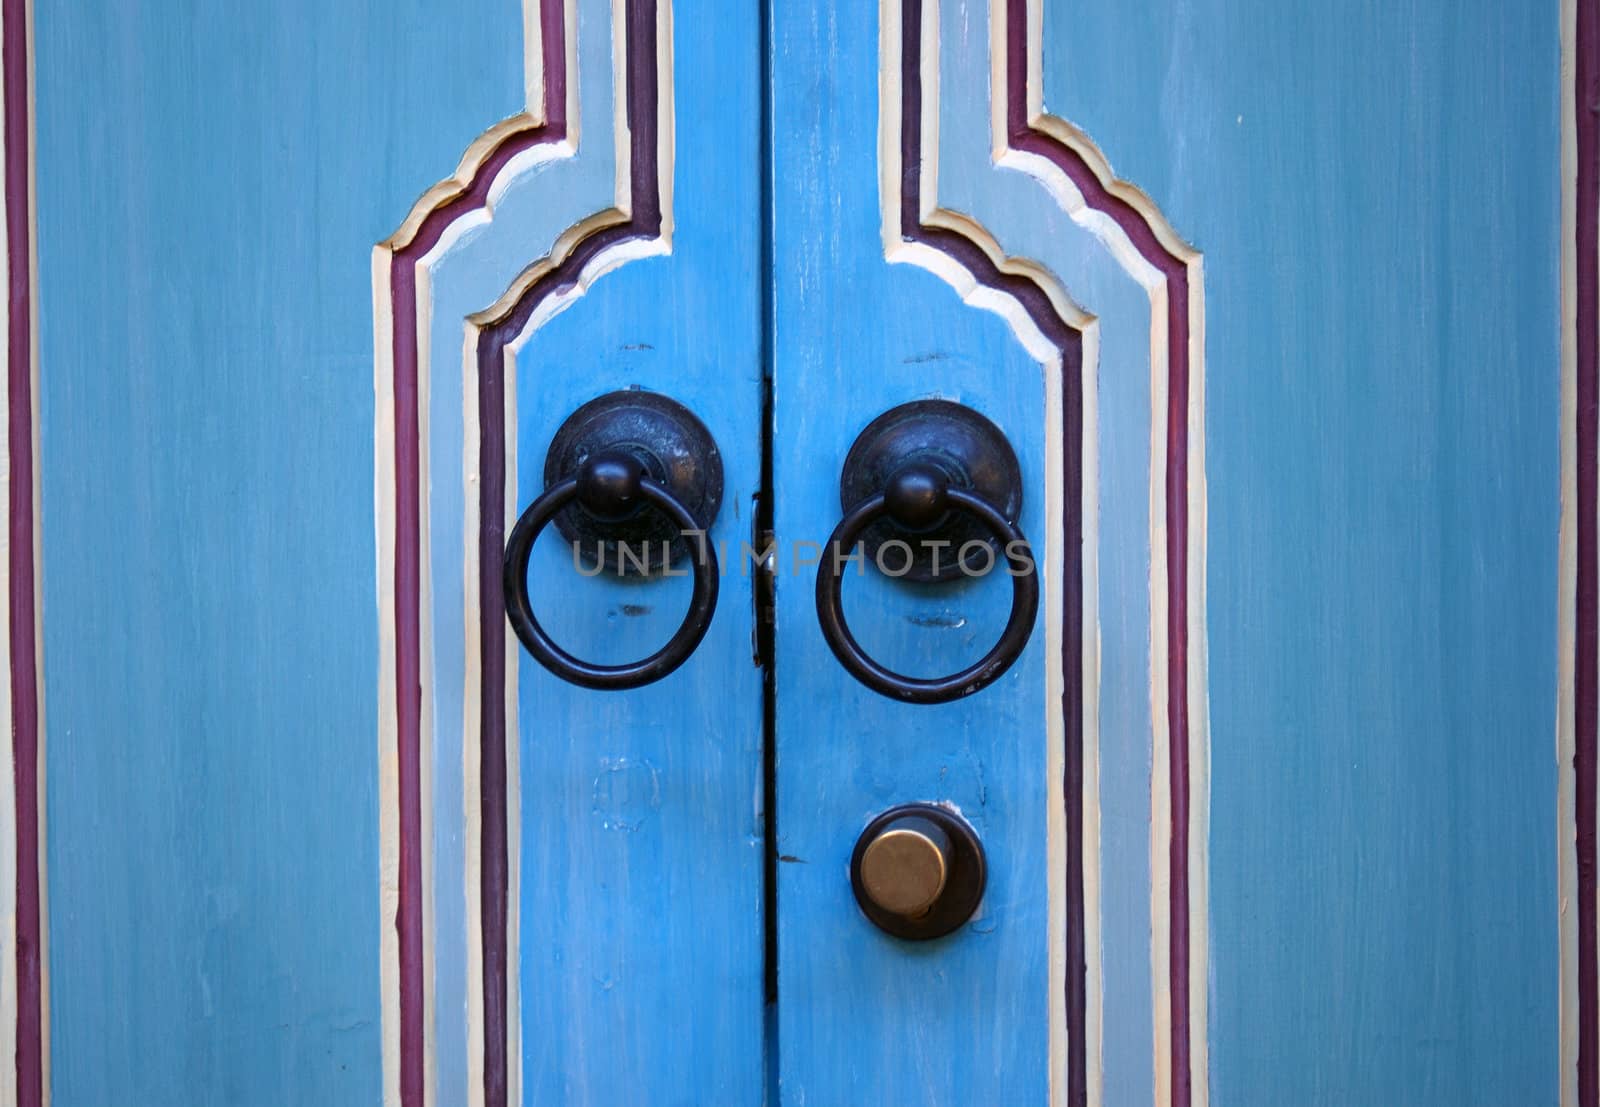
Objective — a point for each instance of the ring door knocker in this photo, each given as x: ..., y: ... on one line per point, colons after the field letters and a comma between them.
x: 932, y: 475
x: 635, y: 475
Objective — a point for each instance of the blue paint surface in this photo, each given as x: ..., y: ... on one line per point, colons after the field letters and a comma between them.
x: 642, y: 844
x: 211, y: 180
x: 865, y: 1018
x: 1374, y: 187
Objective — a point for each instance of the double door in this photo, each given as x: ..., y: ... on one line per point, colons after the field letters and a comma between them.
x: 927, y: 552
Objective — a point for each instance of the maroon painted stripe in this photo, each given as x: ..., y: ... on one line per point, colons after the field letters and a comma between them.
x: 408, y: 485
x: 24, y: 646
x: 1586, y: 751
x: 1068, y: 340
x: 644, y: 222
x: 1022, y: 135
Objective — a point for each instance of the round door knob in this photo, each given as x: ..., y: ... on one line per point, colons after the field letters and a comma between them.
x: 918, y: 871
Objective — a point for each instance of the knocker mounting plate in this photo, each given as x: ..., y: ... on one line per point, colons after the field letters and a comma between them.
x: 971, y: 453
x: 677, y: 452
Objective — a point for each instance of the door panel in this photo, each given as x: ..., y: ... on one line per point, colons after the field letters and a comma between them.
x: 596, y: 856
x: 209, y: 184
x: 1376, y: 196
x: 1088, y: 816
x: 641, y: 839
x: 864, y: 1017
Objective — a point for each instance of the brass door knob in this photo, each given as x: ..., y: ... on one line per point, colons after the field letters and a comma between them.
x: 905, y: 867
x: 918, y: 871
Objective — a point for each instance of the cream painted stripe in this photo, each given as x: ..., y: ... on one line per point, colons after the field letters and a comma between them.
x: 1093, y: 928
x: 472, y: 718
x: 1199, y: 705
x: 1566, y: 626
x: 388, y: 724
x: 41, y: 829
x: 8, y: 798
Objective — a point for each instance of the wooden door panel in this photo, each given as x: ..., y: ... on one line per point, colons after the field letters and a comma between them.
x: 862, y: 1016
x: 1377, y: 200
x: 208, y: 184
x: 596, y: 856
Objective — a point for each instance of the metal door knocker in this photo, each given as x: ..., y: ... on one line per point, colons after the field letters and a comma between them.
x: 637, y: 479
x: 934, y: 476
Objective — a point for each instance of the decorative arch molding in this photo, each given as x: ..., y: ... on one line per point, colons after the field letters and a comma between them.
x: 916, y: 229
x: 1064, y: 338
x: 637, y: 224
x: 401, y: 311
x: 1133, y: 229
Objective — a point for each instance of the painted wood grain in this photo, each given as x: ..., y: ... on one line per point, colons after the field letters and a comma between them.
x: 208, y: 413
x: 1375, y: 191
x: 565, y: 905
x: 1129, y: 922
x: 966, y: 1018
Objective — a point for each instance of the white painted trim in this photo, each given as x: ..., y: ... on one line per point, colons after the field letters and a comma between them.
x: 43, y: 830
x: 1199, y: 689
x: 8, y: 796
x: 388, y: 725
x: 1567, y: 588
x: 471, y: 734
x: 1094, y: 962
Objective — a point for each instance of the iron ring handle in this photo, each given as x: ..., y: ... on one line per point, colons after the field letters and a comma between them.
x: 937, y: 498
x: 606, y: 484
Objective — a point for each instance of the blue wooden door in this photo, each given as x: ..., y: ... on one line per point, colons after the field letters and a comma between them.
x: 1289, y: 314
